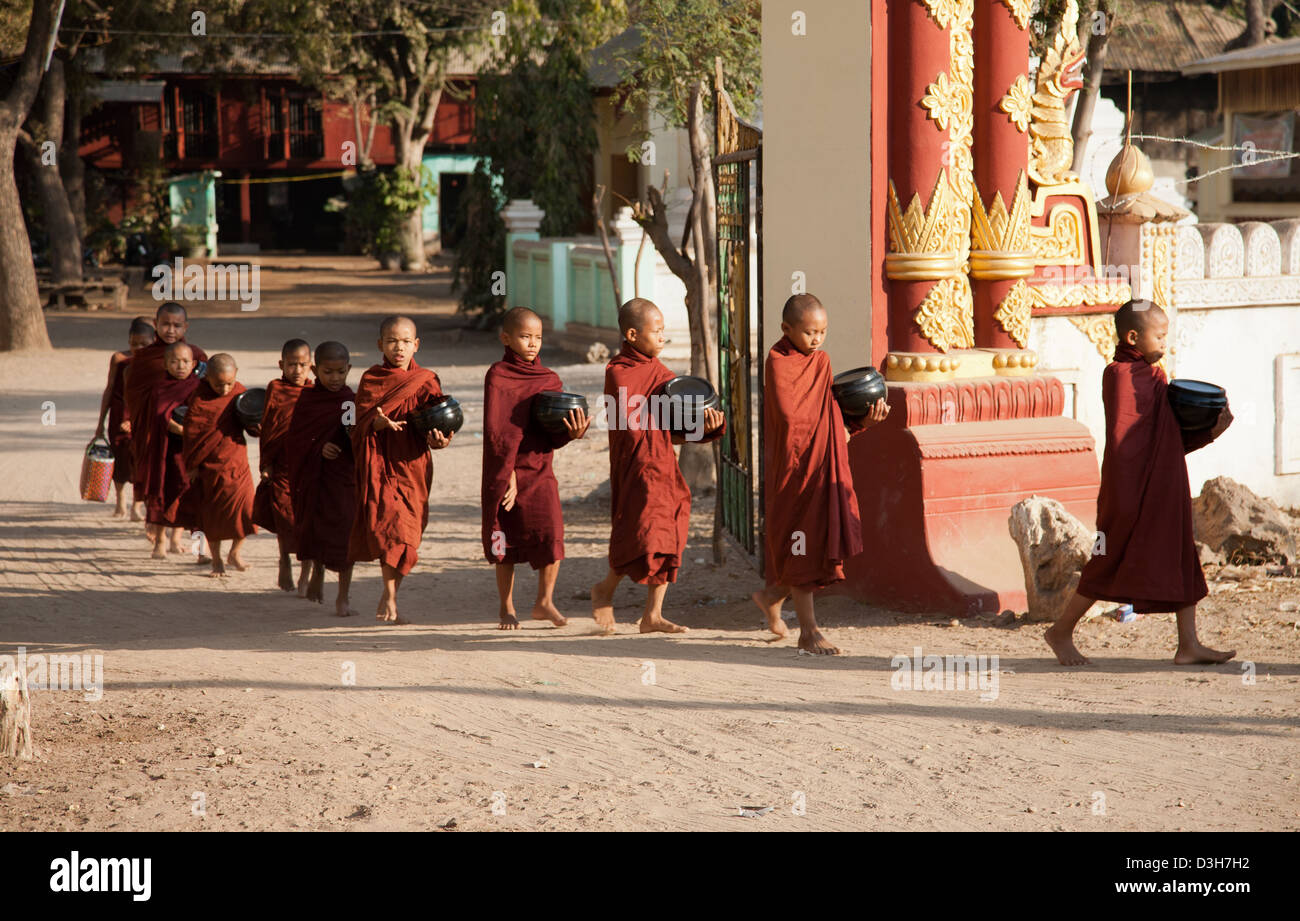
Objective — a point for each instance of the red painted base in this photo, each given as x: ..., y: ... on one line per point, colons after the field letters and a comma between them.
x: 935, y: 496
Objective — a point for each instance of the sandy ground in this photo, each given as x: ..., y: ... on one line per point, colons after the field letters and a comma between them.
x: 234, y: 706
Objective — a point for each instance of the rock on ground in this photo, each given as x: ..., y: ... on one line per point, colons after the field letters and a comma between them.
x: 1241, y: 526
x: 1053, y: 546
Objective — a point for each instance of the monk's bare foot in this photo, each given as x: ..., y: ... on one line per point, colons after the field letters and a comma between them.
x: 135, y: 514
x: 175, y: 546
x: 1063, y: 646
x: 773, y: 614
x: 508, y: 620
x: 387, y: 613
x: 659, y: 625
x: 602, y: 609
x: 343, y: 609
x: 218, y: 569
x: 817, y: 644
x: 1202, y: 655
x: 286, y: 576
x: 159, y: 552
x: 119, y: 512
x: 235, y: 560
x: 545, y: 610
x: 304, y: 582
x: 202, y: 560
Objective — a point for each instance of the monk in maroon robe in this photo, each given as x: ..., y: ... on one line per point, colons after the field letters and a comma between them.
x: 272, y: 502
x: 145, y: 371
x: 522, y: 519
x: 1145, y: 553
x: 112, y: 403
x: 322, y: 474
x: 216, y: 459
x: 168, y: 506
x: 811, y: 523
x: 394, y: 469
x: 650, y: 503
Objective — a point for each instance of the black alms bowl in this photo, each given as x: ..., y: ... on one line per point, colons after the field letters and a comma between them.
x: 179, y: 413
x: 858, y: 390
x: 250, y: 405
x: 552, y: 407
x: 1196, y: 404
x: 694, y: 395
x: 443, y: 414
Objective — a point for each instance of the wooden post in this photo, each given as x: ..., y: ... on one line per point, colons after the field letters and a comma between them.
x: 15, y: 716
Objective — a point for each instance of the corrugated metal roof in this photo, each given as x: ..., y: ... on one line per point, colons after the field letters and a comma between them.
x: 1166, y: 35
x: 1272, y: 54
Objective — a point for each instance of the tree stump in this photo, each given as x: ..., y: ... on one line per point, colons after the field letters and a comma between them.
x: 15, y: 716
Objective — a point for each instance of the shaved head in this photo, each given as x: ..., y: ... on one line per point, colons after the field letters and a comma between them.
x: 797, y: 306
x: 332, y: 351
x: 1136, y: 315
x: 141, y: 326
x: 390, y: 322
x: 222, y: 362
x: 172, y: 307
x: 516, y: 317
x: 292, y: 346
x: 635, y: 313
x: 176, y: 348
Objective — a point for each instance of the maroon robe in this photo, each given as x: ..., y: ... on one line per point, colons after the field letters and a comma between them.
x: 216, y: 459
x: 165, y: 480
x: 272, y: 502
x: 811, y: 511
x: 650, y: 503
x: 1144, y: 506
x: 533, y: 529
x: 394, y: 470
x: 123, y: 463
x: 324, y: 491
x: 148, y: 368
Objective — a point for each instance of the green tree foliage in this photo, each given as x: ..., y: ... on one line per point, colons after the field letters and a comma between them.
x: 534, y: 122
x: 482, y: 252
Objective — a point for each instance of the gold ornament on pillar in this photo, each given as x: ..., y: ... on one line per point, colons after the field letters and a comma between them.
x: 1014, y: 311
x: 947, y: 315
x: 1020, y: 11
x: 1018, y: 103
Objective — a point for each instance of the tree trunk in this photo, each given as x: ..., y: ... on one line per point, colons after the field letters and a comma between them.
x: 1081, y: 128
x: 1256, y: 27
x: 22, y: 324
x: 15, y: 716
x: 65, y: 241
x: 71, y: 167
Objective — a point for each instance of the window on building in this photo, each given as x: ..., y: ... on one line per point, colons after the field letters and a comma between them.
x: 293, y: 126
x: 189, y: 123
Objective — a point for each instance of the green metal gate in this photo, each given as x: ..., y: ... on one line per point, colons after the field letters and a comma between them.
x: 737, y: 163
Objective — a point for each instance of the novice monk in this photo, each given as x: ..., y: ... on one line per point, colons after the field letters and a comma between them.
x: 272, y: 502
x: 522, y: 520
x: 216, y: 458
x: 323, y: 475
x: 119, y: 433
x: 169, y: 508
x: 811, y: 510
x: 144, y: 372
x: 650, y: 503
x: 394, y: 469
x: 1144, y: 506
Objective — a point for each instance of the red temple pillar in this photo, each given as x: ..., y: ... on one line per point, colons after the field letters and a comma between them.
x: 1001, y: 258
x: 245, y: 210
x: 928, y: 168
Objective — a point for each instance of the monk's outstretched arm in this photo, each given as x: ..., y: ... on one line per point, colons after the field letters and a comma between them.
x: 108, y: 394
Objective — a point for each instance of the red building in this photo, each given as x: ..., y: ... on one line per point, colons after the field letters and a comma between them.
x: 255, y: 124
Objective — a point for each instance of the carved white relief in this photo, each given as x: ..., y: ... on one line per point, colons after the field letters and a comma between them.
x: 1263, y: 250
x: 1190, y: 262
x: 1225, y: 252
x: 1237, y: 292
x: 1288, y: 233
